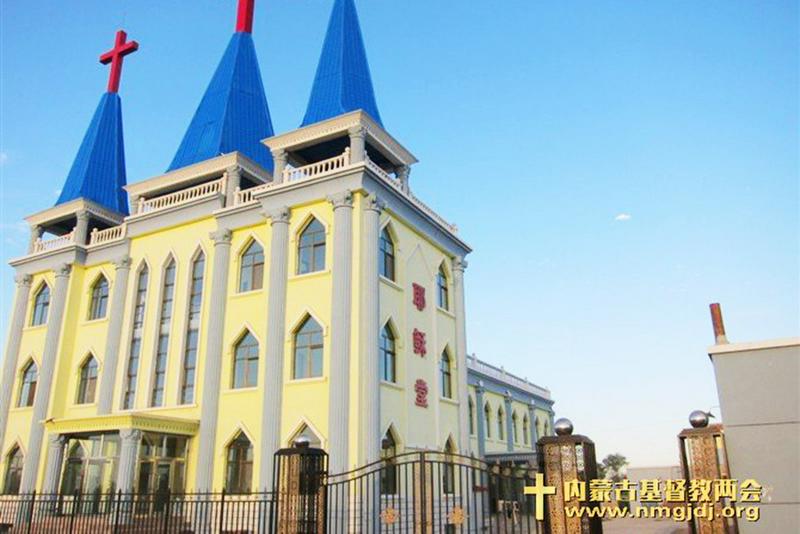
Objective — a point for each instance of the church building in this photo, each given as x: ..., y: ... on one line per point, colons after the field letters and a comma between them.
x: 177, y: 331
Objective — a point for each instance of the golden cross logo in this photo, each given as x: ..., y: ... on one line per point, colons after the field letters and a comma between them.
x: 539, y: 490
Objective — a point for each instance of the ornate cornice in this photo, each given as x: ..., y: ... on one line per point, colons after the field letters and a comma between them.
x: 223, y: 236
x: 125, y: 421
x: 63, y: 270
x: 23, y: 280
x: 123, y: 262
x: 279, y: 215
x: 374, y: 203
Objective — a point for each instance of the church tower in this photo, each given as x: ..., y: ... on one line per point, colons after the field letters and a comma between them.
x: 265, y: 288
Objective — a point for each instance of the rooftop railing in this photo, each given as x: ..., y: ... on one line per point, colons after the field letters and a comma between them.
x: 502, y: 375
x: 42, y: 245
x: 184, y: 196
x: 114, y: 233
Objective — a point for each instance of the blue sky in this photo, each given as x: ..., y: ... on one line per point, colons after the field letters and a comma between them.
x: 616, y: 165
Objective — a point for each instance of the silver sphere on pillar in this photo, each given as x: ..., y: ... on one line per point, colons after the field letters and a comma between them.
x: 563, y: 427
x: 302, y: 442
x: 698, y: 419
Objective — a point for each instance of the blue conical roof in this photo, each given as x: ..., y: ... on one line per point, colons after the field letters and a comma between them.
x: 233, y: 114
x: 98, y: 173
x: 342, y: 83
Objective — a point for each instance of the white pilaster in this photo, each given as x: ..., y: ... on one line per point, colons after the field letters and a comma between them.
x: 339, y: 365
x: 509, y: 409
x: 128, y: 456
x: 279, y: 158
x: 36, y: 234
x: 111, y: 356
x: 403, y: 173
x: 272, y: 374
x: 370, y: 328
x: 233, y: 180
x: 358, y: 136
x: 55, y: 457
x: 459, y: 264
x: 45, y: 383
x: 16, y: 324
x: 209, y: 408
x: 81, y: 236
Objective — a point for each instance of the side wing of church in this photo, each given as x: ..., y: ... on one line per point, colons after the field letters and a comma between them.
x: 176, y: 332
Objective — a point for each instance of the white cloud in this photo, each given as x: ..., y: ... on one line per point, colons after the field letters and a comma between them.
x: 622, y: 217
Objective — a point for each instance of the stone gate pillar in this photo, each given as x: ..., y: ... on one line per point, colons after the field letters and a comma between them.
x: 299, y: 489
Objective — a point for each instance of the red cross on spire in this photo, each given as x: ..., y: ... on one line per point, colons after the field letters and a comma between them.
x: 115, y: 56
x: 244, y: 20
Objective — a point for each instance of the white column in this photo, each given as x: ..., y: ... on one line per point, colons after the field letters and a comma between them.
x: 358, y: 136
x: 81, y: 235
x: 509, y: 422
x: 111, y: 356
x: 45, y: 383
x: 14, y: 336
x: 402, y: 175
x: 36, y: 234
x: 459, y: 264
x: 370, y: 327
x: 532, y: 424
x: 481, y: 419
x: 209, y: 409
x: 55, y: 457
x: 339, y: 365
x: 272, y: 375
x: 128, y: 457
x: 233, y: 181
x: 279, y: 158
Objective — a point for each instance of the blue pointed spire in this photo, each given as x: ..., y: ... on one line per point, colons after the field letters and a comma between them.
x: 233, y: 114
x: 98, y: 173
x: 342, y: 83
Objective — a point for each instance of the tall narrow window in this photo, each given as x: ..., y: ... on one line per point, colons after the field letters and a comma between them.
x: 442, y: 294
x: 13, y: 477
x: 311, y: 252
x: 487, y: 419
x: 251, y: 272
x: 132, y: 372
x: 239, y: 468
x: 501, y: 424
x: 446, y: 376
x: 88, y: 382
x: 514, y: 428
x: 162, y: 349
x: 308, y: 350
x: 192, y: 331
x: 386, y: 264
x: 97, y: 310
x: 471, y: 406
x: 448, y: 469
x: 526, y: 433
x: 389, y: 468
x: 388, y: 355
x: 41, y: 305
x: 27, y: 391
x: 245, y: 363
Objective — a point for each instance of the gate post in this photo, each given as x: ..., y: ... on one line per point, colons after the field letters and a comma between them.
x: 704, y: 457
x: 564, y: 458
x: 299, y: 482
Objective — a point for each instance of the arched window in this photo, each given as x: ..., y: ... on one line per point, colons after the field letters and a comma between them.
x: 546, y: 428
x: 251, y: 272
x: 389, y: 469
x: 14, y: 462
x: 41, y: 305
x: 386, y: 264
x: 514, y: 428
x: 487, y: 419
x: 239, y: 468
x: 442, y: 293
x: 526, y: 433
x: 471, y: 407
x: 445, y: 376
x: 162, y: 349
x: 448, y: 469
x: 311, y: 252
x: 193, y: 330
x: 388, y: 355
x: 539, y: 428
x: 308, y: 350
x: 501, y: 423
x: 245, y: 363
x: 307, y: 434
x: 132, y: 372
x: 88, y: 382
x: 97, y: 310
x: 27, y: 390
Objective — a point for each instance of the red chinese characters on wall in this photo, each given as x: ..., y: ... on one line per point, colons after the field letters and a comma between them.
x: 420, y: 346
x: 419, y: 296
x: 421, y: 388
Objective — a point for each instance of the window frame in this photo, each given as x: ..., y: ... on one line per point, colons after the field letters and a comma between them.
x: 162, y: 337
x: 251, y: 271
x: 445, y: 375
x: 98, y: 302
x: 387, y: 352
x: 317, y: 247
x: 309, y: 349
x: 28, y: 386
x: 41, y: 305
x: 15, y: 460
x: 442, y: 289
x: 191, y: 340
x: 137, y: 333
x: 239, y: 465
x: 387, y: 265
x: 88, y: 376
x: 249, y: 360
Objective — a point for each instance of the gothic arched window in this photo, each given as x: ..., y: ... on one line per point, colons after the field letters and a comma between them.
x: 471, y: 406
x: 245, y: 363
x: 27, y: 390
x: 389, y: 469
x: 162, y: 348
x: 308, y: 350
x: 99, y: 304
x: 442, y: 292
x: 487, y: 419
x: 13, y: 477
x: 526, y: 430
x: 132, y: 371
x: 448, y: 469
x: 251, y: 270
x: 514, y: 428
x: 501, y: 431
x: 445, y: 374
x: 388, y: 355
x: 41, y: 305
x: 88, y: 381
x: 239, y: 467
x: 189, y: 371
x: 311, y: 251
x: 386, y: 264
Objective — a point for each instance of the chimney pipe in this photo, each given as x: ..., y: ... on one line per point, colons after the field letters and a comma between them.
x: 719, y: 326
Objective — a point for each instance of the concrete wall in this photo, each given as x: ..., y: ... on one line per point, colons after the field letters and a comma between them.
x: 759, y: 393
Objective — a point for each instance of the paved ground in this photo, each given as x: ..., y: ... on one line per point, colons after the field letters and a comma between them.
x: 643, y: 526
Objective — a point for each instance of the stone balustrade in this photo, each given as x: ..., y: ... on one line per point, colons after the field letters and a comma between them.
x: 43, y: 245
x: 209, y: 189
x: 326, y: 166
x: 109, y: 234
